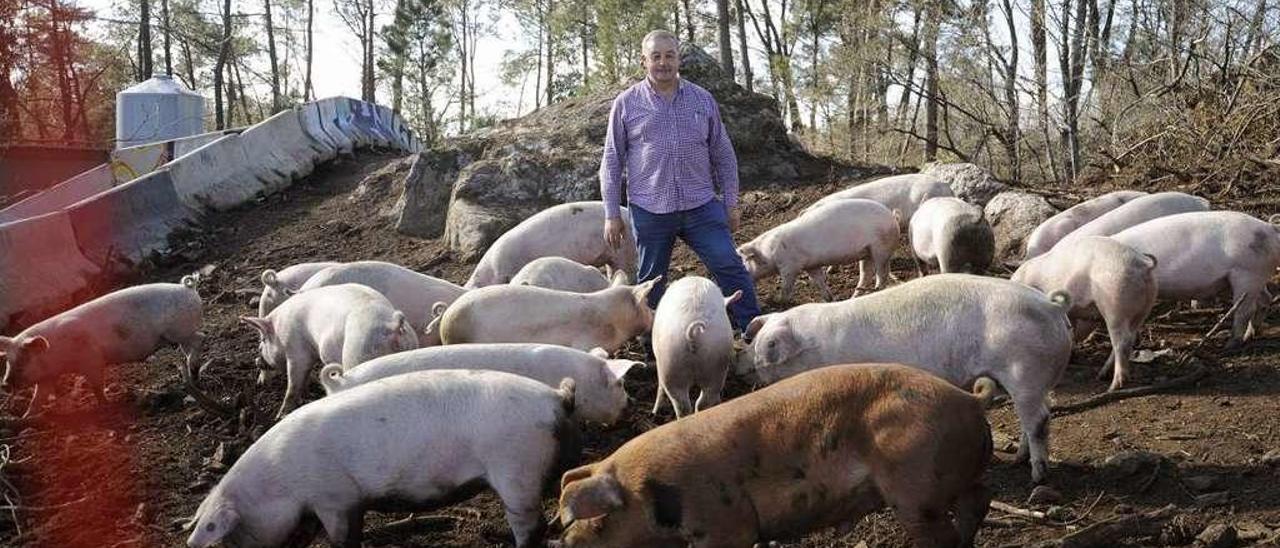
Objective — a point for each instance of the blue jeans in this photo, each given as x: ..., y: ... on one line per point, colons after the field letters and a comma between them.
x: 706, y: 230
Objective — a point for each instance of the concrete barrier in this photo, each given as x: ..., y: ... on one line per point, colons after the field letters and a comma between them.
x: 61, y: 195
x: 279, y: 150
x: 215, y: 177
x: 364, y: 121
x: 387, y: 125
x: 130, y: 163
x: 129, y: 222
x: 329, y: 122
x: 186, y: 145
x: 346, y: 123
x: 42, y: 271
x: 309, y: 116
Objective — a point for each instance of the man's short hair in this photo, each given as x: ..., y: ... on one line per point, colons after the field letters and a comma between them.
x: 646, y: 45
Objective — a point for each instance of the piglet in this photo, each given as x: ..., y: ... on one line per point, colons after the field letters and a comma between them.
x: 693, y: 343
x: 823, y: 448
x: 1106, y: 279
x: 1137, y: 211
x: 411, y: 442
x: 830, y: 233
x: 569, y: 230
x: 348, y: 324
x: 1047, y: 234
x: 566, y: 275
x: 523, y: 313
x: 408, y: 291
x: 1203, y: 254
x: 601, y: 397
x: 120, y: 327
x: 952, y: 235
x: 278, y: 286
x: 900, y: 193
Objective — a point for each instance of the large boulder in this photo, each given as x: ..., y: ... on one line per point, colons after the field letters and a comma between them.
x: 424, y: 203
x: 969, y: 182
x: 1013, y: 216
x: 519, y: 167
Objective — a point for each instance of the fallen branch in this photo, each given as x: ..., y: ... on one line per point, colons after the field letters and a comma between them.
x: 207, y: 403
x: 1020, y: 512
x: 1111, y: 531
x: 1180, y: 382
x: 11, y: 507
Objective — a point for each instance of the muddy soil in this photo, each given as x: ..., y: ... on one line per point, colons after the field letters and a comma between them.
x: 129, y: 473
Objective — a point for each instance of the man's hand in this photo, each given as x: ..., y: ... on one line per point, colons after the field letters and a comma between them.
x: 613, y: 232
x: 735, y: 219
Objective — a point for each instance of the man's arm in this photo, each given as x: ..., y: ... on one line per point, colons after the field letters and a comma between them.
x: 724, y: 163
x: 615, y: 154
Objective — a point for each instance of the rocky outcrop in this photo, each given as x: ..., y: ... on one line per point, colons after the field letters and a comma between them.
x: 1013, y: 216
x: 969, y: 182
x: 519, y: 167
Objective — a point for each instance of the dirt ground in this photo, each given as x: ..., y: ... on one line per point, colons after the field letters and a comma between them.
x: 130, y: 473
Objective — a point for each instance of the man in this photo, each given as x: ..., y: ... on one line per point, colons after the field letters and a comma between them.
x: 666, y: 132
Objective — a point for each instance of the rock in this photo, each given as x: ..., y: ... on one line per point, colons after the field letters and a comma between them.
x: 1013, y: 216
x: 1272, y: 458
x: 1043, y: 494
x: 969, y: 182
x: 1004, y: 443
x: 1252, y: 531
x: 518, y: 167
x: 1131, y: 462
x: 1058, y: 513
x: 1201, y: 483
x: 1213, y: 499
x: 1218, y: 535
x: 423, y: 205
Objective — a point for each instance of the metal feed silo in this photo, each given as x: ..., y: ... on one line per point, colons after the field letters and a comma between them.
x: 158, y: 109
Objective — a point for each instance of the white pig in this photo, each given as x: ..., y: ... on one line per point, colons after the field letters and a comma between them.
x: 953, y: 235
x: 566, y: 275
x: 1043, y: 238
x: 601, y: 396
x: 958, y: 326
x: 832, y: 233
x: 900, y: 193
x: 1138, y: 211
x: 569, y: 230
x: 692, y: 343
x: 409, y: 291
x: 348, y: 324
x: 411, y: 442
x: 523, y: 313
x: 277, y: 286
x: 120, y: 327
x: 604, y: 319
x: 1203, y: 254
x: 1106, y: 279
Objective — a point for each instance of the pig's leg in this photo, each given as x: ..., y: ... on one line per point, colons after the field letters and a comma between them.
x: 1033, y: 417
x: 657, y: 400
x: 345, y: 527
x: 819, y: 278
x: 970, y: 510
x: 520, y: 493
x: 1122, y: 339
x: 880, y: 258
x: 928, y: 527
x: 192, y: 348
x: 297, y: 383
x: 1245, y: 291
x: 864, y: 267
x: 1081, y: 328
x: 95, y: 379
x: 711, y: 389
x: 680, y: 400
x: 1257, y: 324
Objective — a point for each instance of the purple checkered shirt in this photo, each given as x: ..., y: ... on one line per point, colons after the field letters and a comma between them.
x: 677, y: 153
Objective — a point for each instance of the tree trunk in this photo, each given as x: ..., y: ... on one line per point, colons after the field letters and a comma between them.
x: 1039, y: 46
x: 271, y: 54
x: 747, y: 77
x: 190, y: 65
x: 932, y: 23
x: 726, y: 41
x: 370, y: 85
x: 583, y: 32
x: 168, y: 55
x: 688, y: 22
x: 550, y: 54
x: 1013, y: 132
x: 144, y: 41
x: 307, y: 91
x: 221, y: 118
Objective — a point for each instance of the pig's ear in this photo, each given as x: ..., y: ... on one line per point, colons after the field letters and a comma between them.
x: 733, y: 298
x: 576, y: 474
x: 261, y: 324
x: 599, y: 353
x: 5, y: 343
x: 619, y: 368
x: 590, y: 497
x: 642, y: 291
x: 754, y: 326
x: 216, y: 527
x: 619, y: 277
x: 269, y: 279
x: 35, y: 344
x: 747, y: 251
